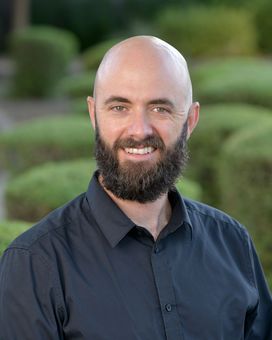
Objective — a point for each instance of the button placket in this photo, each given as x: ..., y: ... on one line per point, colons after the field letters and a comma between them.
x: 163, y: 279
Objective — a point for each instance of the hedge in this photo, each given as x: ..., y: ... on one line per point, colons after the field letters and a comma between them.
x: 245, y: 169
x: 41, y: 55
x: 93, y: 55
x: 78, y: 85
x: 42, y: 140
x: 217, y: 123
x: 264, y: 25
x: 208, y: 31
x: 80, y: 106
x: 233, y: 80
x: 33, y: 194
x: 9, y: 230
x: 246, y: 175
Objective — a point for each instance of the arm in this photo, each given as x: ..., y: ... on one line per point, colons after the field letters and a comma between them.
x: 28, y: 301
x: 259, y: 322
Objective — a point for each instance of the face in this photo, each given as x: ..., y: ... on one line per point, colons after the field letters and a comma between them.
x: 140, y: 181
x: 139, y: 113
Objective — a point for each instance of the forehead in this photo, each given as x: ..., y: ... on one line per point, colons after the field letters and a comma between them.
x: 142, y: 73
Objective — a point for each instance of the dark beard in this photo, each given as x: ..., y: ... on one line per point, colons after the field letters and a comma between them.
x: 140, y: 181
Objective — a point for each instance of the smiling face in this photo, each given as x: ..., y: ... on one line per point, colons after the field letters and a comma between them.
x: 142, y: 99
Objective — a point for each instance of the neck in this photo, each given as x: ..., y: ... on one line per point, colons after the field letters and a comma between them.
x: 153, y: 216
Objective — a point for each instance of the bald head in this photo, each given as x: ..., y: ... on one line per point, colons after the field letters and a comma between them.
x: 145, y: 55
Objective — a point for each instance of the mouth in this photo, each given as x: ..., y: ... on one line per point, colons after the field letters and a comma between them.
x: 139, y: 151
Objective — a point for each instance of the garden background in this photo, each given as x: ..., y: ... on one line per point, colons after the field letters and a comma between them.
x: 49, y: 51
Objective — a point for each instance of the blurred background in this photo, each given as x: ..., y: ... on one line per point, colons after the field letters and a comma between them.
x: 49, y: 51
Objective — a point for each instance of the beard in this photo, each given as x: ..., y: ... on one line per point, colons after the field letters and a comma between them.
x: 141, y: 181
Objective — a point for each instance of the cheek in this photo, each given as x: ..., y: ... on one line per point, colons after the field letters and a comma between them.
x: 109, y: 131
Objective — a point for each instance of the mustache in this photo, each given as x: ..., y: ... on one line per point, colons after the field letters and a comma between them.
x: 149, y: 141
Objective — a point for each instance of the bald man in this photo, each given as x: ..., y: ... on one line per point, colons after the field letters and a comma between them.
x: 130, y: 258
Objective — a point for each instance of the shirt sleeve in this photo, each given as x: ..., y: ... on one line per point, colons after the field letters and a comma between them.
x: 28, y: 301
x: 259, y: 322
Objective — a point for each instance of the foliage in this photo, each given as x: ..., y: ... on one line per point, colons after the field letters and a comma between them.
x: 246, y: 175
x: 41, y: 55
x: 234, y: 80
x: 36, y: 192
x: 245, y: 170
x: 217, y: 123
x: 264, y: 25
x: 94, y: 54
x: 189, y: 189
x: 93, y: 22
x: 78, y: 85
x: 44, y: 188
x: 79, y: 106
x: 9, y: 230
x: 42, y: 140
x: 208, y: 31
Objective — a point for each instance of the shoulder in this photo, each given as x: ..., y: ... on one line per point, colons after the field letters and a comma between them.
x: 212, y: 219
x: 55, y: 223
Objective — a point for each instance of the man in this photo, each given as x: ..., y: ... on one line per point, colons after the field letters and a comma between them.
x: 130, y: 259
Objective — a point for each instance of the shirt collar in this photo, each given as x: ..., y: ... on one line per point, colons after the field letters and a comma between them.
x: 115, y: 225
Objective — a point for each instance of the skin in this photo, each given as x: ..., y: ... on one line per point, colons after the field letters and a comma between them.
x: 142, y: 88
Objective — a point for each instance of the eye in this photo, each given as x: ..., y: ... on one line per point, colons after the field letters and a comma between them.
x: 118, y: 108
x: 160, y: 109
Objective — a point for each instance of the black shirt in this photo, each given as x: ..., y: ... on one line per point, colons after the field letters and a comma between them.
x: 87, y: 272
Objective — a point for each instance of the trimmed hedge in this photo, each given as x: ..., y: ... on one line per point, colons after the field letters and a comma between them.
x: 43, y: 140
x: 246, y: 184
x: 246, y: 176
x: 78, y: 86
x: 234, y: 80
x: 35, y: 193
x: 42, y: 189
x: 208, y: 31
x: 42, y: 55
x: 189, y: 188
x: 93, y: 55
x: 9, y: 230
x: 264, y: 25
x: 217, y: 123
x: 80, y: 106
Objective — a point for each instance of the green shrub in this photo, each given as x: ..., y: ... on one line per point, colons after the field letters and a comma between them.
x: 217, y: 123
x: 80, y: 106
x: 234, y: 80
x: 42, y: 140
x: 208, y: 31
x: 9, y: 230
x: 245, y: 181
x: 77, y: 86
x: 94, y: 54
x: 41, y: 55
x: 189, y: 189
x: 35, y: 193
x: 264, y: 25
x: 44, y: 188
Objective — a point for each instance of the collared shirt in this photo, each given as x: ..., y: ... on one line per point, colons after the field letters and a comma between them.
x: 88, y: 272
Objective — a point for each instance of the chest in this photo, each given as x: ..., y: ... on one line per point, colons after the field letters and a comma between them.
x: 168, y: 293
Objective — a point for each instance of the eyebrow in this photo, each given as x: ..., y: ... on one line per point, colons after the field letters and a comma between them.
x: 158, y: 101
x: 117, y: 99
x: 161, y: 101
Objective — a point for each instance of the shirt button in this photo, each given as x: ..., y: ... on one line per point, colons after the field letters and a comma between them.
x: 168, y: 307
x: 156, y: 250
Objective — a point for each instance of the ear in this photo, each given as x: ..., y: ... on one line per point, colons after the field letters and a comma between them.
x: 193, y: 117
x: 91, y: 107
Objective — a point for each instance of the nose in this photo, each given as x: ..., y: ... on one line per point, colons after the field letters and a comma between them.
x: 140, y: 125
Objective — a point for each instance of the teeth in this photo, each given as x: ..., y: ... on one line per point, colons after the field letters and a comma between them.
x: 141, y: 151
